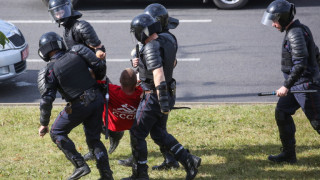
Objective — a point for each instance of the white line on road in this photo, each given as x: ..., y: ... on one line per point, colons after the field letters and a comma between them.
x: 103, y: 21
x: 126, y: 60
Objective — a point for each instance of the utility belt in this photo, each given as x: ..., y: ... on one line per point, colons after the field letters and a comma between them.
x: 171, y: 89
x: 85, y: 99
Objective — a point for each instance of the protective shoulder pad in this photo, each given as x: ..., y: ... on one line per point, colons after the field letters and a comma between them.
x: 42, y: 80
x: 151, y: 53
x: 297, y: 43
x: 87, y: 33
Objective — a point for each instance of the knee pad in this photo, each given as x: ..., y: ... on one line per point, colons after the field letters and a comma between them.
x: 59, y: 140
x: 316, y: 125
x: 283, y: 118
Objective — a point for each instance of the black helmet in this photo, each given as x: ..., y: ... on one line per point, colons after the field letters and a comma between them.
x: 143, y: 26
x: 61, y: 10
x: 160, y: 13
x: 48, y: 42
x: 281, y: 11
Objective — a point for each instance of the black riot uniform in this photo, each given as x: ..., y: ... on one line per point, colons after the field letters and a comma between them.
x: 152, y: 113
x: 67, y: 72
x: 76, y: 31
x: 160, y: 13
x: 301, y: 72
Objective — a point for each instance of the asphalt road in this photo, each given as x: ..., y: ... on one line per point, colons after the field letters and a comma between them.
x: 224, y: 55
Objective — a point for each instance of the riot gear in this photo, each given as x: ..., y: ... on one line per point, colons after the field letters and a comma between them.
x: 61, y: 10
x: 143, y: 26
x: 279, y: 11
x: 160, y: 13
x: 49, y: 42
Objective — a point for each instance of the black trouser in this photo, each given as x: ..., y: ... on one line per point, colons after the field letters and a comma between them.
x: 149, y: 119
x: 288, y: 105
x: 90, y: 116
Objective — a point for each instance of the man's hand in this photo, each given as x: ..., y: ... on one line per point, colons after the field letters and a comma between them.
x: 135, y: 62
x: 283, y: 91
x: 43, y: 130
x: 101, y: 55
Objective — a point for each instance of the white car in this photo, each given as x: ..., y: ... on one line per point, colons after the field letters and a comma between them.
x: 14, y: 53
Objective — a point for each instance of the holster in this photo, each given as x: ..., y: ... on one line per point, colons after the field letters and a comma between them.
x: 172, y: 87
x: 88, y: 96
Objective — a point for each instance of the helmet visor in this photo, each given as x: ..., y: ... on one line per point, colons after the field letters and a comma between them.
x: 60, y: 12
x: 269, y: 18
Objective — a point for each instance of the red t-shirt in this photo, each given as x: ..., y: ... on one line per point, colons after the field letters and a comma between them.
x: 122, y: 108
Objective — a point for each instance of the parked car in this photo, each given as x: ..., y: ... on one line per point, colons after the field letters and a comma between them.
x: 14, y: 53
x: 222, y: 4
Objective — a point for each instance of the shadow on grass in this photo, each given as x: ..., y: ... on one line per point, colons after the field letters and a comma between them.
x: 238, y: 163
x: 246, y: 163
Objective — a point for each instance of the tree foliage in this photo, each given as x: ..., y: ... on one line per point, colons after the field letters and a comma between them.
x: 3, y: 39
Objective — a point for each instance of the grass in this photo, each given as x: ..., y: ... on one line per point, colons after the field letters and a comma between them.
x: 232, y: 140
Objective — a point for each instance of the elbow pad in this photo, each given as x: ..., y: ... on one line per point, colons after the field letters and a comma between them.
x: 163, y: 97
x: 45, y: 110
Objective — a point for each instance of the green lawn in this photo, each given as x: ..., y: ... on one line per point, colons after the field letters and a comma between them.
x: 232, y: 140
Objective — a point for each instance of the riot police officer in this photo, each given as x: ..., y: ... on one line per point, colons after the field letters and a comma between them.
x: 75, y: 31
x: 156, y: 65
x: 301, y: 72
x: 67, y: 72
x: 160, y: 13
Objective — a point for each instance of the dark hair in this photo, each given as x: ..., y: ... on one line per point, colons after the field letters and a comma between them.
x: 128, y: 79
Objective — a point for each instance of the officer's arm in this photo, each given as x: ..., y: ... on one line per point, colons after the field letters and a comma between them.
x: 89, y: 36
x: 317, y: 54
x: 299, y: 56
x: 47, y: 85
x: 154, y: 64
x: 97, y: 65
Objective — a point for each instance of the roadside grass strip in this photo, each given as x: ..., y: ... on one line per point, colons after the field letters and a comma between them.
x: 232, y: 140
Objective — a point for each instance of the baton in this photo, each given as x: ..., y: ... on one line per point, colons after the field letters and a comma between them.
x: 274, y: 92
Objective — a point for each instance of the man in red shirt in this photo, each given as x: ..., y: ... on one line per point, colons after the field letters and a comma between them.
x: 122, y: 106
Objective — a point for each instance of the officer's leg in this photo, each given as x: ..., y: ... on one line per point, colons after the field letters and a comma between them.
x: 311, y: 108
x: 92, y: 127
x: 286, y: 106
x: 146, y: 117
x: 59, y: 135
x: 169, y: 161
x: 163, y: 138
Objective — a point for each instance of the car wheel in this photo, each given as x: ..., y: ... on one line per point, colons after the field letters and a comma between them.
x: 74, y: 2
x: 230, y: 4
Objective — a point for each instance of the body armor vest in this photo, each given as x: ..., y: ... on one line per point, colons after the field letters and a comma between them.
x: 70, y: 37
x: 168, y: 49
x: 73, y: 76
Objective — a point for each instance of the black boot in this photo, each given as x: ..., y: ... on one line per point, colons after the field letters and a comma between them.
x: 88, y: 156
x: 105, y: 174
x: 168, y: 163
x: 81, y: 168
x: 287, y: 131
x: 287, y: 155
x: 126, y: 162
x: 190, y: 162
x: 139, y: 172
